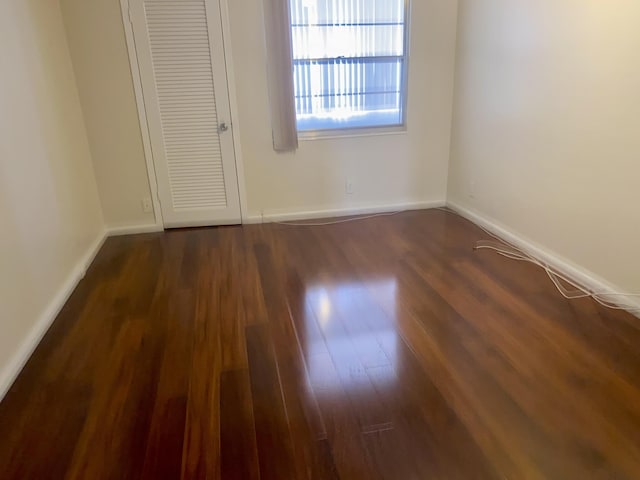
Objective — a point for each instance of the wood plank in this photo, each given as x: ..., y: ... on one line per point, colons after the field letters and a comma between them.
x: 163, y: 455
x: 275, y: 449
x: 201, y: 447
x: 239, y: 456
x: 305, y: 420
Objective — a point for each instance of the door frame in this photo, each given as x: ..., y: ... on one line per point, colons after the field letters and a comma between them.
x: 142, y: 113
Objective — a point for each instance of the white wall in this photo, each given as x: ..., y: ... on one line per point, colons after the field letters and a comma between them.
x: 49, y: 208
x: 101, y: 63
x: 385, y: 170
x: 388, y: 169
x: 547, y: 126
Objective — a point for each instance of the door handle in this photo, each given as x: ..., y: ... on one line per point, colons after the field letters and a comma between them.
x: 223, y: 127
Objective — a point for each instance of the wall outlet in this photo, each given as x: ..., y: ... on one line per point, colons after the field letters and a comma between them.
x: 348, y: 186
x: 147, y: 205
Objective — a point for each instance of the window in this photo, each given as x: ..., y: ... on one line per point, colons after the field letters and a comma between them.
x: 349, y: 63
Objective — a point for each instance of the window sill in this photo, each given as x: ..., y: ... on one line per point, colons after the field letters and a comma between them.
x: 311, y: 135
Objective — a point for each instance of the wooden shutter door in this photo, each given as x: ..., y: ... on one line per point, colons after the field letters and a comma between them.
x: 180, y: 51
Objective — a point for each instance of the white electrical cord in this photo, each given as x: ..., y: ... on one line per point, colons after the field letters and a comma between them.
x: 508, y: 250
x: 335, y: 222
x: 555, y: 277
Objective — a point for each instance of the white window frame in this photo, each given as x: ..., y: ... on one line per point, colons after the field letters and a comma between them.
x: 400, y: 129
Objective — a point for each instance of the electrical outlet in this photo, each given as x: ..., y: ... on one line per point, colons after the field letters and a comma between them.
x: 348, y: 186
x: 147, y: 205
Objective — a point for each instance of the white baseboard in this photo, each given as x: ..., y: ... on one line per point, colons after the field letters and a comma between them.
x: 288, y: 215
x: 252, y: 219
x: 11, y: 371
x: 134, y: 229
x: 582, y: 276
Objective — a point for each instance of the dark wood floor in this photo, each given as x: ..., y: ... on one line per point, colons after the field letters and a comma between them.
x: 385, y: 348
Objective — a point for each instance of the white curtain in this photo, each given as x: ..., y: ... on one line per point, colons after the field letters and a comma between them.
x: 277, y: 18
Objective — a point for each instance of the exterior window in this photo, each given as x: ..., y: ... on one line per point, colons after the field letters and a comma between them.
x: 349, y: 59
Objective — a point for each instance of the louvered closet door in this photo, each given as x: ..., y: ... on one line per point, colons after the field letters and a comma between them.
x: 181, y: 57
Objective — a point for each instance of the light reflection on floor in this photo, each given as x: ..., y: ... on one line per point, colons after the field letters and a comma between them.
x: 350, y: 335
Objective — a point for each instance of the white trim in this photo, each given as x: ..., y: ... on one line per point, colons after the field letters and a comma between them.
x: 233, y: 105
x: 337, y: 134
x: 220, y: 222
x: 252, y: 220
x: 142, y: 114
x: 575, y: 272
x: 133, y: 229
x: 11, y: 371
x: 288, y: 215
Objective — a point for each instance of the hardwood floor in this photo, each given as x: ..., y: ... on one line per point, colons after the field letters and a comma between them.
x: 380, y: 349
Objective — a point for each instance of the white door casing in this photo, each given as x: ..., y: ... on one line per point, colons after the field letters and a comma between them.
x: 181, y: 59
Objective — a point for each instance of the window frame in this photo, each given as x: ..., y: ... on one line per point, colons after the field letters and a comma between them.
x: 374, y: 130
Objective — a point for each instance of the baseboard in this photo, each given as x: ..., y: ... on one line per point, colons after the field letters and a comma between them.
x: 578, y: 274
x: 289, y: 215
x: 252, y: 219
x: 134, y: 229
x: 17, y: 363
